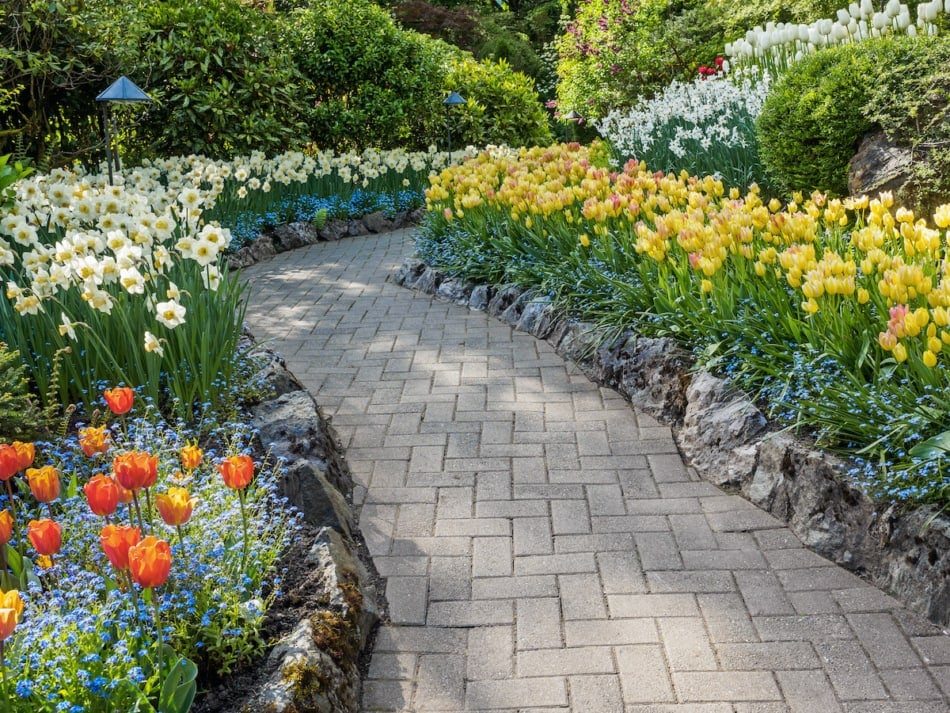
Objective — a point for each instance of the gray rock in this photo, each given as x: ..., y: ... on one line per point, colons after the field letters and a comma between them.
x: 512, y: 314
x: 579, y: 343
x: 377, y: 222
x: 340, y: 569
x: 454, y: 290
x: 409, y: 272
x: 274, y: 377
x: 262, y: 248
x: 537, y: 317
x: 718, y: 427
x: 503, y: 299
x: 306, y: 680
x: 654, y: 375
x: 879, y: 165
x: 334, y: 229
x: 804, y: 487
x: 429, y: 281
x: 355, y: 228
x: 307, y: 488
x: 416, y: 216
x: 918, y: 566
x: 480, y: 297
x: 295, y: 235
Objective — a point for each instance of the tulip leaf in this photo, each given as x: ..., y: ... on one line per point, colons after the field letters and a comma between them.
x: 179, y: 687
x: 932, y: 448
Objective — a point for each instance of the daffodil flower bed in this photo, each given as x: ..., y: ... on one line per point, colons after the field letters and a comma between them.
x: 834, y: 312
x: 135, y: 555
x: 126, y: 283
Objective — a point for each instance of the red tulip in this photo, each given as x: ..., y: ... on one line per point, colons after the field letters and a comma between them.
x: 119, y: 399
x: 44, y: 483
x: 237, y: 471
x: 175, y: 506
x: 102, y: 492
x: 45, y: 536
x: 9, y: 461
x: 135, y: 469
x: 116, y: 541
x: 6, y: 527
x: 150, y: 561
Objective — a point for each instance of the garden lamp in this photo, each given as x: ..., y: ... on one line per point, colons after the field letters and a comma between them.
x: 121, y: 91
x: 453, y: 99
x: 575, y: 119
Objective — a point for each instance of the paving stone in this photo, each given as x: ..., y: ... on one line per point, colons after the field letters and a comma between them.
x: 612, y: 632
x: 440, y: 685
x: 581, y: 596
x: 490, y: 653
x: 450, y: 578
x: 687, y: 644
x: 538, y: 623
x: 407, y: 598
x: 565, y: 662
x: 643, y: 674
x: 540, y: 585
x: 596, y: 693
x: 463, y: 614
x: 768, y: 656
x: 729, y: 686
x: 807, y: 691
x: 516, y: 693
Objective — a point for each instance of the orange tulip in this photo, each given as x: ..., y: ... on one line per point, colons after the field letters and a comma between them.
x: 9, y: 461
x: 237, y: 471
x: 125, y: 495
x: 6, y: 527
x: 44, y: 483
x: 45, y: 536
x: 26, y: 452
x: 190, y: 457
x: 116, y: 541
x: 11, y: 608
x: 102, y: 492
x: 94, y: 439
x: 135, y: 469
x: 150, y: 561
x: 175, y: 506
x: 119, y: 399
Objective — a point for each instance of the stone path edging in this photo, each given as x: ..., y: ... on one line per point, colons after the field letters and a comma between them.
x: 727, y: 439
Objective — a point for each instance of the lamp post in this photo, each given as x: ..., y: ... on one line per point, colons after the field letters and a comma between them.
x: 453, y: 99
x: 121, y: 91
x: 574, y: 118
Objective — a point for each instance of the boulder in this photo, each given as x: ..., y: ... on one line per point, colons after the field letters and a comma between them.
x: 503, y: 299
x: 334, y: 229
x: 879, y: 165
x: 429, y: 281
x: 308, y: 489
x: 720, y: 430
x: 409, y: 272
x: 480, y: 297
x: 262, y: 248
x: 295, y: 235
x: 377, y: 222
x: 512, y: 313
x: 454, y: 290
x: 538, y: 317
x: 918, y: 566
x: 355, y: 228
x: 655, y: 375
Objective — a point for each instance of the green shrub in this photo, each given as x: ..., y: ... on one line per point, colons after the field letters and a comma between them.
x: 910, y: 102
x: 20, y: 417
x: 502, y: 108
x: 222, y: 80
x: 614, y: 51
x: 813, y: 119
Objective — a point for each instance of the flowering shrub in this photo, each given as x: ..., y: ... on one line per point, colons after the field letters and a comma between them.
x: 836, y: 311
x: 139, y: 560
x: 777, y: 45
x: 706, y: 127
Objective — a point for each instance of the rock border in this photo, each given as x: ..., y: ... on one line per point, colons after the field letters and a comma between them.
x: 316, y: 668
x: 729, y: 442
x: 289, y: 236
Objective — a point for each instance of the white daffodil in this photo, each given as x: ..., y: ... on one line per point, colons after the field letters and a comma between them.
x: 67, y: 327
x: 153, y: 345
x: 170, y: 313
x: 132, y: 280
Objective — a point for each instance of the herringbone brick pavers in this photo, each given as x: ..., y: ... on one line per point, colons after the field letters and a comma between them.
x: 545, y: 546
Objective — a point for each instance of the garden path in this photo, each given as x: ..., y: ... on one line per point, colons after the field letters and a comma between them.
x: 545, y: 546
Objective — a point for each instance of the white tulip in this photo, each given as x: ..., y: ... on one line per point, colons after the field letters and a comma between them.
x: 843, y: 16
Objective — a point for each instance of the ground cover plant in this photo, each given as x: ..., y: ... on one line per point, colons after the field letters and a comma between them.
x: 833, y: 311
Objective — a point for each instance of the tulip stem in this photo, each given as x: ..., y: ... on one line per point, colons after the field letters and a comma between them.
x: 158, y: 634
x: 3, y: 675
x: 181, y: 537
x: 244, y: 528
x: 16, y: 527
x: 138, y: 510
x: 148, y: 507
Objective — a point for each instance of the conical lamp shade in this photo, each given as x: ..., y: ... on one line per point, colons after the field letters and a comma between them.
x: 123, y: 90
